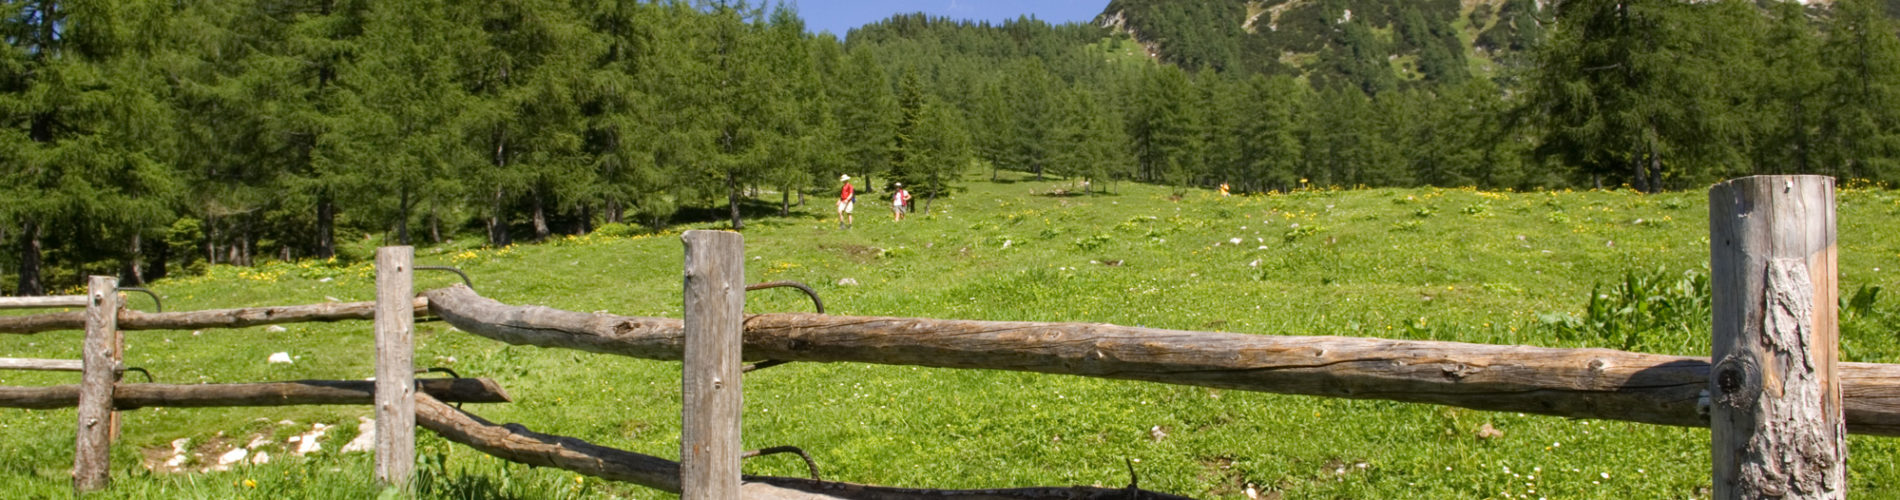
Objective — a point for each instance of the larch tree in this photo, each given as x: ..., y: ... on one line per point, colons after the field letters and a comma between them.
x: 75, y: 164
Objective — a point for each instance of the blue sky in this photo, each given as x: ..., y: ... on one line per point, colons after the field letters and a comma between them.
x: 839, y: 16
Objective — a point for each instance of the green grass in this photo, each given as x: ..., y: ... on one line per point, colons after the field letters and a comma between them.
x: 1442, y: 264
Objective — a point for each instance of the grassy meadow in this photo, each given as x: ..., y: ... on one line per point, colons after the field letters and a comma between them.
x: 1445, y: 264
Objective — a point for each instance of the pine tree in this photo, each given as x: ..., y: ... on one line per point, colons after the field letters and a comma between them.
x: 942, y: 149
x: 1860, y: 126
x: 1637, y: 90
x: 1270, y: 149
x: 905, y: 165
x: 76, y: 166
x: 866, y: 111
x: 403, y: 120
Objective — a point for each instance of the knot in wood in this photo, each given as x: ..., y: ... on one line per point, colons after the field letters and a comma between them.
x: 1456, y: 371
x: 1736, y: 382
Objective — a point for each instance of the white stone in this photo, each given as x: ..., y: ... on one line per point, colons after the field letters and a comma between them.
x: 307, y: 442
x: 365, y: 436
x: 275, y: 329
x: 847, y: 282
x: 260, y: 458
x: 280, y: 357
x: 234, y: 456
x: 256, y: 441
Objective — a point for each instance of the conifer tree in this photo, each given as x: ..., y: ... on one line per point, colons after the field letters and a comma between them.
x: 76, y: 167
x: 866, y: 111
x: 403, y: 120
x: 1860, y: 126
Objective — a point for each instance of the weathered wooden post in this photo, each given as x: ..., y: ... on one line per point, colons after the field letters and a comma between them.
x: 715, y: 306
x: 118, y: 363
x: 91, y: 458
x: 395, y: 366
x: 1775, y: 399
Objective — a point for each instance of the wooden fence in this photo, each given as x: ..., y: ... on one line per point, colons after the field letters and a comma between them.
x: 1776, y: 397
x: 99, y: 394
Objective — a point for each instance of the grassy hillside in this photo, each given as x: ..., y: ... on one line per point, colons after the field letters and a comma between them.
x: 1445, y: 264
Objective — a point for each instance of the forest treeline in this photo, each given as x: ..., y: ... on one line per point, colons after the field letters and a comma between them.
x: 144, y: 135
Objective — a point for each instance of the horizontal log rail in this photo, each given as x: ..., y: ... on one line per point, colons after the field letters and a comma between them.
x: 50, y: 365
x: 516, y: 443
x: 212, y: 318
x: 300, y: 392
x: 1579, y: 383
x: 42, y: 302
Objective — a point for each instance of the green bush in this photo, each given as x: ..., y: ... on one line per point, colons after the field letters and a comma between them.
x: 1656, y: 311
x: 615, y: 230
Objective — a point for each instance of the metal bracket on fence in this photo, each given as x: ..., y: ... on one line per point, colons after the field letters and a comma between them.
x: 452, y: 269
x: 439, y: 369
x: 816, y: 304
x: 156, y: 304
x: 786, y: 449
x: 148, y: 375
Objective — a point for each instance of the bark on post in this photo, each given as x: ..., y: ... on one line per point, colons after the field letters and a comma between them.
x: 1775, y: 396
x: 715, y: 306
x: 395, y: 366
x: 91, y: 457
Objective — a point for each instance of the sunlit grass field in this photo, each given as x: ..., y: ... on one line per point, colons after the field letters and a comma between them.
x: 1445, y: 264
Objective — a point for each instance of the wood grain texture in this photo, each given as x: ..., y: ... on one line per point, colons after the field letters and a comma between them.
x: 395, y: 366
x: 43, y: 302
x: 211, y: 318
x: 49, y: 365
x: 291, y: 393
x: 1582, y: 383
x: 514, y: 442
x: 93, y: 441
x: 1777, y: 424
x: 711, y: 393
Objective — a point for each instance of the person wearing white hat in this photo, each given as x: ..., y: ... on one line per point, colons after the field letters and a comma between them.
x: 899, y: 202
x: 846, y: 198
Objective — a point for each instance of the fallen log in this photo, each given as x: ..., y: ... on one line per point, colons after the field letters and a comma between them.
x: 1580, y: 383
x: 130, y: 319
x: 515, y: 443
x: 300, y: 392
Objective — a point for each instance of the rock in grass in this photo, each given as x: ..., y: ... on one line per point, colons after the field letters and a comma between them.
x: 365, y: 436
x: 280, y: 357
x: 234, y: 456
x: 847, y: 282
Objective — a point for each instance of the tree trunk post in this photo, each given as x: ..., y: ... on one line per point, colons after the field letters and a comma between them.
x: 91, y: 458
x: 395, y: 366
x: 715, y: 307
x: 1777, y: 428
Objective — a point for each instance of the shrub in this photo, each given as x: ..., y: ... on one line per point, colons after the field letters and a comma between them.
x: 1656, y: 311
x: 615, y: 230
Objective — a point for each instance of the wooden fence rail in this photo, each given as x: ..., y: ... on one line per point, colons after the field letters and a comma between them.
x: 291, y: 393
x: 1582, y: 383
x: 43, y: 302
x: 211, y: 318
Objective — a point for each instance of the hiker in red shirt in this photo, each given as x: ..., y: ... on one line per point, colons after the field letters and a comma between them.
x: 846, y: 199
x: 900, y: 203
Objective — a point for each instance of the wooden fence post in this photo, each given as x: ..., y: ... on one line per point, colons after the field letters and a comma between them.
x: 395, y: 366
x: 92, y: 455
x: 715, y: 306
x: 1775, y: 400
